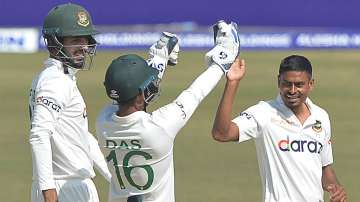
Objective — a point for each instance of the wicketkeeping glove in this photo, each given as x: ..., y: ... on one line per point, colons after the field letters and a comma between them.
x: 227, y: 45
x: 164, y: 52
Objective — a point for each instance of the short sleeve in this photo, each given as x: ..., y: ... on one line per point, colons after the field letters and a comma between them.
x: 248, y: 124
x: 326, y: 152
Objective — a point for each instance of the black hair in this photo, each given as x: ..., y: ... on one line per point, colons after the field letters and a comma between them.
x: 295, y: 63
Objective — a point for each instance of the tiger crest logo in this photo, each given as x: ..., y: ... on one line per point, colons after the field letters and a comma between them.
x: 317, y: 126
x: 114, y: 94
x: 83, y: 19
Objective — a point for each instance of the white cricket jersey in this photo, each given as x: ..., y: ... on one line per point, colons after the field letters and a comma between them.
x: 62, y: 147
x: 139, y: 147
x: 290, y: 155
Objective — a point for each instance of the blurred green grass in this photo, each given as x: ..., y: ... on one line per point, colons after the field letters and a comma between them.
x: 204, y: 169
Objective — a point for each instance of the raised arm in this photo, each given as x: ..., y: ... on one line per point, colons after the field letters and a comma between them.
x: 224, y: 130
x: 218, y: 60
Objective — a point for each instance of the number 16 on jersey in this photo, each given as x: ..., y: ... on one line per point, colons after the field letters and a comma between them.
x: 127, y: 169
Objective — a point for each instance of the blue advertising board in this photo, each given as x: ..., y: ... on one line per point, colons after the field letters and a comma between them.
x: 248, y: 40
x: 318, y: 13
x: 272, y: 24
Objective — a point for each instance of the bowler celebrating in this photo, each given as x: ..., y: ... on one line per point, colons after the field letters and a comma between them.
x: 292, y: 136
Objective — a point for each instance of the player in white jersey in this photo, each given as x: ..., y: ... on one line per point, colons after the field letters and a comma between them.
x: 292, y: 136
x: 63, y: 151
x: 139, y: 145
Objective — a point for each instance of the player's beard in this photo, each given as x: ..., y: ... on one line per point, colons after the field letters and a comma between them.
x: 76, y: 59
x: 78, y: 62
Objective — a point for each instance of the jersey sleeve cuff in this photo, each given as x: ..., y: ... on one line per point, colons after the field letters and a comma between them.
x: 50, y: 184
x: 327, y: 163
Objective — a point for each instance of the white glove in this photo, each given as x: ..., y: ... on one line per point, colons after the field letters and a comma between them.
x: 227, y: 45
x: 164, y: 52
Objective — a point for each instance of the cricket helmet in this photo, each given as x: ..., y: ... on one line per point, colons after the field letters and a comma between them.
x: 68, y: 20
x: 129, y: 75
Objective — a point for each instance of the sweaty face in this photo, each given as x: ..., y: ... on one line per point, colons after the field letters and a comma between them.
x: 76, y: 48
x: 294, y: 88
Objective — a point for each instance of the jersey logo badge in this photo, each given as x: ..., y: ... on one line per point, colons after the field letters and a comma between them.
x: 317, y: 126
x: 114, y: 94
x: 83, y: 19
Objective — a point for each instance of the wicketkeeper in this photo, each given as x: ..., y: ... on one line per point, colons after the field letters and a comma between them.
x: 139, y: 145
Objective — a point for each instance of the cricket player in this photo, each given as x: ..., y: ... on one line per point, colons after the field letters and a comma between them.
x: 292, y: 135
x: 139, y: 145
x: 63, y: 151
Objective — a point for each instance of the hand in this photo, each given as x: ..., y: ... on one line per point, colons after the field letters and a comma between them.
x: 236, y: 71
x: 337, y: 193
x: 164, y: 52
x: 50, y: 195
x: 227, y: 45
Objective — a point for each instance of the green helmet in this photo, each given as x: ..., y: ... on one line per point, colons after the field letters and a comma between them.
x: 129, y: 75
x: 69, y: 20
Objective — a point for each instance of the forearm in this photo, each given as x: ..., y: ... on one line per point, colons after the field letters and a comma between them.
x: 205, y: 82
x: 199, y: 89
x: 42, y: 158
x: 331, y: 184
x: 174, y: 116
x: 50, y: 195
x: 222, y: 123
x: 328, y: 177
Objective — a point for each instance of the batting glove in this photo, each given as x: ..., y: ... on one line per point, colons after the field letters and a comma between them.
x: 227, y: 45
x: 164, y: 52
